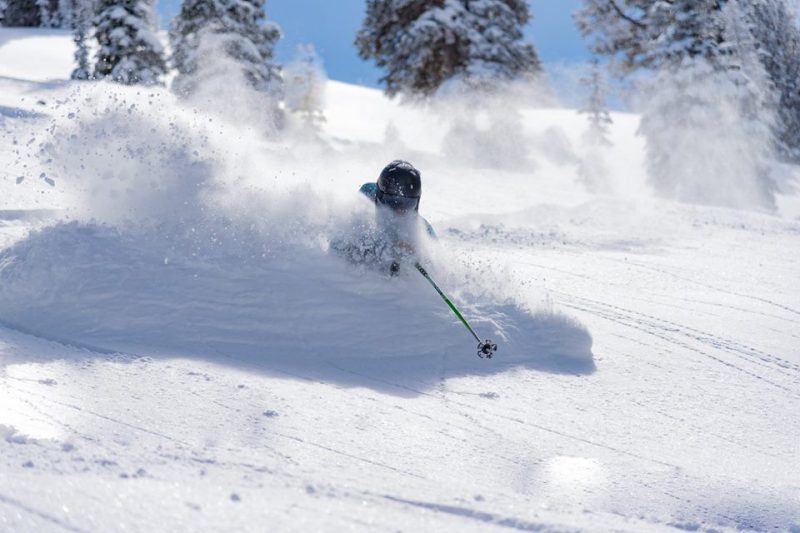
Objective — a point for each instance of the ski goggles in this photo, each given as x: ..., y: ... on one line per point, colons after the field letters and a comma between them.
x: 398, y: 203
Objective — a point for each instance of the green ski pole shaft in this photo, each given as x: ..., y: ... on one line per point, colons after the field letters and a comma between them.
x: 485, y: 348
x: 447, y: 301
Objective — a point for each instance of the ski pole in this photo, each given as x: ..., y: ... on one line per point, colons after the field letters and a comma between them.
x: 486, y: 348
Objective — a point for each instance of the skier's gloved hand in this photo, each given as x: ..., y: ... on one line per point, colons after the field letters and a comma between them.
x: 403, y: 249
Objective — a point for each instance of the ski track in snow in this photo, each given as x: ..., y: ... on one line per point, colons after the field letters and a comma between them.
x: 45, y: 516
x: 717, y: 289
x: 663, y: 330
x: 670, y: 330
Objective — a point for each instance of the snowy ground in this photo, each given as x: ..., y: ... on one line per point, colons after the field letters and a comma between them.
x: 180, y: 352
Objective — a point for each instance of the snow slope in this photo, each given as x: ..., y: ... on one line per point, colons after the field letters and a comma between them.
x: 179, y: 349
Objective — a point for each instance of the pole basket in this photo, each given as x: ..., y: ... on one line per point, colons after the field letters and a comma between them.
x: 486, y: 349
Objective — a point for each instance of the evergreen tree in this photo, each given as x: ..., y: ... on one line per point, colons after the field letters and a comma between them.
x: 595, y: 109
x: 130, y: 51
x: 48, y: 17
x: 651, y: 33
x: 21, y: 13
x: 239, y: 28
x: 707, y: 119
x: 35, y: 13
x: 592, y: 165
x: 305, y: 87
x: 489, y: 134
x: 742, y: 60
x: 681, y: 29
x: 423, y: 44
x: 392, y: 138
x: 706, y: 114
x: 82, y: 12
x: 65, y: 15
x: 777, y: 37
x: 54, y: 13
x: 700, y: 148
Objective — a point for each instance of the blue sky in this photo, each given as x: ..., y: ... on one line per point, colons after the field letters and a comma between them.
x: 331, y: 25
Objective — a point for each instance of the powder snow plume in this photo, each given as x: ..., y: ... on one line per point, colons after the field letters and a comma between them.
x: 187, y: 232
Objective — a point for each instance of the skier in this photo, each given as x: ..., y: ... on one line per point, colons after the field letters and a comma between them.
x: 395, y: 238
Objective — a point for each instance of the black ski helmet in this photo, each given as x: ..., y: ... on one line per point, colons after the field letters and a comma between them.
x: 399, y: 186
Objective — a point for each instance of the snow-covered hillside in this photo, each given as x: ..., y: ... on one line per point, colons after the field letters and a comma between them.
x: 179, y: 350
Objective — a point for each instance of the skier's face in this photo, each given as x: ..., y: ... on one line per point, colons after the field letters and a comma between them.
x: 400, y: 205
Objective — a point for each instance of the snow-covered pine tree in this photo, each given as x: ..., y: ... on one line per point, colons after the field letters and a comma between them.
x: 629, y: 31
x: 423, y: 44
x: 35, y: 13
x: 699, y: 149
x: 777, y: 37
x: 680, y: 29
x: 741, y: 59
x: 65, y: 16
x: 651, y: 33
x: 305, y: 80
x: 488, y: 134
x: 129, y: 50
x: 82, y: 12
x: 239, y: 27
x: 595, y: 108
x: 754, y: 94
x: 21, y: 13
x: 705, y: 108
x: 706, y: 114
x: 391, y: 137
x: 592, y: 167
x: 616, y: 28
x: 53, y: 13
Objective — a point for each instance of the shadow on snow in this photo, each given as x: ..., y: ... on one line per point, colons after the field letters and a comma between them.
x: 293, y: 312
